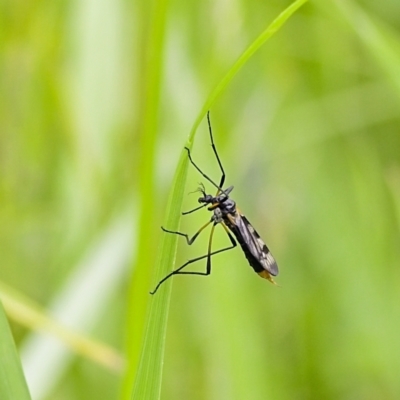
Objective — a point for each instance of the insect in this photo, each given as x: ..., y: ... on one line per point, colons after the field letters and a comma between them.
x: 225, y: 213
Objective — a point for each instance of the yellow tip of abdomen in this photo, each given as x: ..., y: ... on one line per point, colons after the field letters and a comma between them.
x: 266, y: 275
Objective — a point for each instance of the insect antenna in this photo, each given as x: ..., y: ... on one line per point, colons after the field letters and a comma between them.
x: 202, y: 190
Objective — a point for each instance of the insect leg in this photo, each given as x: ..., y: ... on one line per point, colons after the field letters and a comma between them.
x: 179, y: 271
x: 210, y: 253
x: 201, y: 172
x: 186, y: 236
x: 222, y: 181
x: 195, y: 209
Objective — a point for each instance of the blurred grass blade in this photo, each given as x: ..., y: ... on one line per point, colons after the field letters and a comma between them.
x: 257, y: 43
x: 77, y: 306
x: 12, y: 381
x: 382, y: 41
x: 28, y: 314
x: 148, y: 379
x: 152, y: 36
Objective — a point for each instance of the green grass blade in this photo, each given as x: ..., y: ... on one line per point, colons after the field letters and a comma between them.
x: 274, y: 27
x: 12, y: 381
x: 378, y: 38
x: 153, y: 20
x: 148, y: 378
x: 29, y: 314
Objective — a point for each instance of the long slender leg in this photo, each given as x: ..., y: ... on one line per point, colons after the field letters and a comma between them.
x: 179, y: 271
x: 221, y: 183
x: 186, y: 236
x: 201, y: 172
x: 195, y: 209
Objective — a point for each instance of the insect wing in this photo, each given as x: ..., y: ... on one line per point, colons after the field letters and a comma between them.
x: 255, y: 245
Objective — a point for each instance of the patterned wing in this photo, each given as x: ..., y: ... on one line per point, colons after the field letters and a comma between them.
x: 256, y: 246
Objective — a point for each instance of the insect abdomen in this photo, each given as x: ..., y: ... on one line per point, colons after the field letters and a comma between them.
x: 255, y: 250
x: 254, y: 263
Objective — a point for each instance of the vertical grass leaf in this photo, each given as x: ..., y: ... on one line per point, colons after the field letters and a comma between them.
x: 148, y: 379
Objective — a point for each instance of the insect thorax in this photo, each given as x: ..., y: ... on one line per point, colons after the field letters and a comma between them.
x: 228, y: 207
x: 217, y: 216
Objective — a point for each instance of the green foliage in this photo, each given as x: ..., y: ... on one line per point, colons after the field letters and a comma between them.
x: 12, y: 381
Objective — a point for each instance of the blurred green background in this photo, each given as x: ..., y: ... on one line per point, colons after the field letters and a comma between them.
x: 96, y: 101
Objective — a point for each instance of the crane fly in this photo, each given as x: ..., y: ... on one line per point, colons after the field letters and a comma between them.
x: 227, y: 214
